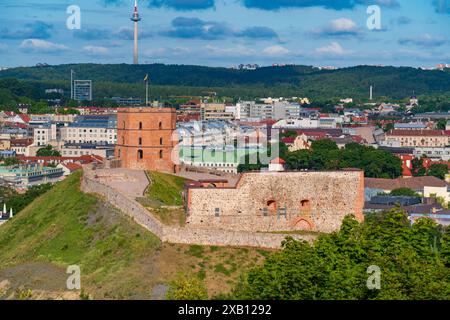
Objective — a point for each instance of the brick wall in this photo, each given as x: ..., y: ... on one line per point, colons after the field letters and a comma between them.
x: 188, y: 234
x: 284, y: 201
x: 147, y: 131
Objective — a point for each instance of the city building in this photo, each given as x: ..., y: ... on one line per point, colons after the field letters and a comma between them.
x: 87, y: 149
x: 82, y: 90
x: 22, y: 146
x: 424, y: 186
x: 418, y: 138
x: 29, y: 175
x: 442, y: 154
x: 215, y: 111
x: 91, y: 129
x: 127, y: 101
x: 44, y: 134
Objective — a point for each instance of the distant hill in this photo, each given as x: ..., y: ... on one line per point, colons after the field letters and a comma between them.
x: 397, y: 83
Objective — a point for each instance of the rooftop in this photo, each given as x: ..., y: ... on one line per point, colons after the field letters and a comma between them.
x: 414, y: 183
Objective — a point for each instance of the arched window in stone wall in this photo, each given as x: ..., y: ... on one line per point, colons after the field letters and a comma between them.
x: 140, y: 141
x: 161, y: 141
x: 305, y: 206
x: 160, y: 125
x: 272, y: 206
x: 140, y: 154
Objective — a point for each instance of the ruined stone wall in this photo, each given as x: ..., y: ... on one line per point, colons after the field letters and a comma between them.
x: 283, y: 201
x: 188, y: 234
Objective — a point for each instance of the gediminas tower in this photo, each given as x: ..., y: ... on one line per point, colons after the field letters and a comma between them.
x: 145, y: 138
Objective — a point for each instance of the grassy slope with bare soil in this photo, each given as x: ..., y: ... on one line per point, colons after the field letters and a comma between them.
x: 118, y: 258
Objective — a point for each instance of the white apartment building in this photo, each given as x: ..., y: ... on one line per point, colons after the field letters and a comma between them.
x: 89, y: 135
x: 94, y: 130
x: 44, y: 134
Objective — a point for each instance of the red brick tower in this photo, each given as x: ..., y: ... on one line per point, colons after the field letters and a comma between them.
x: 144, y: 138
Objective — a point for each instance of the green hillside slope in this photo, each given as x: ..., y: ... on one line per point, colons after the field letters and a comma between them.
x: 118, y: 258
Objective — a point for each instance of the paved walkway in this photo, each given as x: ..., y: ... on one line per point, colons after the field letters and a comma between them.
x: 130, y: 182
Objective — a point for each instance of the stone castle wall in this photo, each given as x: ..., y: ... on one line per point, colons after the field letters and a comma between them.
x: 188, y: 234
x: 282, y: 201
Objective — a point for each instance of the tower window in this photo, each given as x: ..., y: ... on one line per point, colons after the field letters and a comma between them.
x: 124, y: 124
x: 140, y: 154
x: 161, y: 141
x: 160, y: 125
x: 160, y: 154
x: 140, y: 125
x: 140, y: 141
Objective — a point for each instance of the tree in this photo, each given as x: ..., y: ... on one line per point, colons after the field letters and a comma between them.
x: 10, y: 161
x: 438, y: 170
x: 413, y: 261
x: 48, y: 151
x: 404, y: 192
x: 441, y: 124
x: 187, y: 288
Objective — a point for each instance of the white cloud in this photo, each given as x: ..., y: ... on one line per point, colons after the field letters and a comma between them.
x: 238, y: 51
x: 96, y: 50
x: 276, y: 51
x: 38, y: 45
x: 334, y: 49
x: 338, y: 27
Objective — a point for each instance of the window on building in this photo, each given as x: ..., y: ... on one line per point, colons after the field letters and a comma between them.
x: 140, y: 125
x: 124, y: 124
x: 272, y: 206
x: 160, y: 141
x: 217, y: 212
x: 305, y: 205
x: 140, y: 141
x: 160, y: 125
x: 140, y: 154
x: 160, y: 154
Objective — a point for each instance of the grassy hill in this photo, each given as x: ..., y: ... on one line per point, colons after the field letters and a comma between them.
x: 118, y: 258
x: 122, y: 79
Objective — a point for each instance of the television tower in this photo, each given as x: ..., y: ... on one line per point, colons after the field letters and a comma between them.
x: 135, y: 18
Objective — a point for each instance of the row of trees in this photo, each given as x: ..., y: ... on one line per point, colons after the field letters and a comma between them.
x: 413, y: 263
x: 325, y: 155
x: 383, y: 258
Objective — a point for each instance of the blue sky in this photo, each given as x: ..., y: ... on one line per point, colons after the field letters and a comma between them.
x: 227, y: 32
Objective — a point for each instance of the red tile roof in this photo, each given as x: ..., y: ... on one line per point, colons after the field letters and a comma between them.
x: 414, y: 183
x: 25, y: 118
x: 419, y: 133
x: 72, y: 166
x: 278, y: 161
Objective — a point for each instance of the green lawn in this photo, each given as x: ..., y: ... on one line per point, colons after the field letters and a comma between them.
x: 166, y: 188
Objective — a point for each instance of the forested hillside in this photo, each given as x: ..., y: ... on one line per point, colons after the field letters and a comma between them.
x: 175, y: 80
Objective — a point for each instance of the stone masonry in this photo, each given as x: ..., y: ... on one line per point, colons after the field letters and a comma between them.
x: 282, y: 201
x: 144, y: 138
x: 187, y: 235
